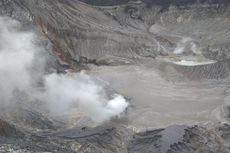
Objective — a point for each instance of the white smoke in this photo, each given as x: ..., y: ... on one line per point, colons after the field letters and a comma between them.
x: 16, y: 59
x: 66, y: 92
x: 61, y: 93
x: 187, y: 45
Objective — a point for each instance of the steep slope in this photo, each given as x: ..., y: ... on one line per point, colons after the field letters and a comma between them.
x: 82, y: 33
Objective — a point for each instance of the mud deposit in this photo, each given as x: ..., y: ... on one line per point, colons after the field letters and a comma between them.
x: 157, y: 101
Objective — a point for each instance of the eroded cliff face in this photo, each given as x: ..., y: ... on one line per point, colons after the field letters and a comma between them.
x: 121, y: 34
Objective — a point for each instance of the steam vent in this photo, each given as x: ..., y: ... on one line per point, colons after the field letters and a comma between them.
x: 114, y: 76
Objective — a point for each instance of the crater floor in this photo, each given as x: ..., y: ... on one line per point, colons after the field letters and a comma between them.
x: 157, y: 101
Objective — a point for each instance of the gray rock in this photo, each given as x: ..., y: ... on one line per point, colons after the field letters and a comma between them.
x: 177, y: 139
x: 122, y: 31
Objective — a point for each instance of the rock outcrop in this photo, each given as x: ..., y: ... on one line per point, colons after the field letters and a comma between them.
x: 172, y: 139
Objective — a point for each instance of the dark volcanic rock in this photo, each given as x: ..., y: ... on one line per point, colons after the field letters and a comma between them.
x: 105, y: 2
x: 7, y: 130
x: 28, y: 119
x: 173, y: 139
x: 177, y: 139
x: 224, y: 131
x: 99, y: 139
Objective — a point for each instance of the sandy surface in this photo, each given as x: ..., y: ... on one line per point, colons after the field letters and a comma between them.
x: 157, y: 102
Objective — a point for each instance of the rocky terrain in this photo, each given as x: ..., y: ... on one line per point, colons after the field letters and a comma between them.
x: 124, y: 32
x: 82, y: 33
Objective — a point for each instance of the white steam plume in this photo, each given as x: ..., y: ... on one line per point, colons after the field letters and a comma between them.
x: 187, y: 45
x: 16, y: 59
x: 19, y: 71
x: 66, y: 92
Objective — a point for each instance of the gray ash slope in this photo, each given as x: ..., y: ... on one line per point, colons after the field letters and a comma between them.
x: 118, y: 32
x: 125, y: 33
